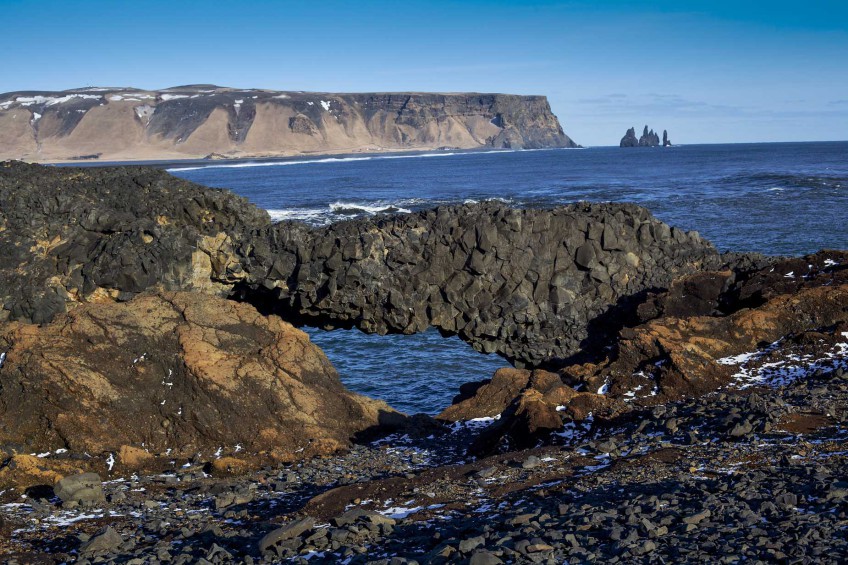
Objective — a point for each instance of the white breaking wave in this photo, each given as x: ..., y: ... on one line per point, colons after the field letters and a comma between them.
x: 308, y: 215
x: 341, y: 210
x: 305, y: 162
x: 351, y: 208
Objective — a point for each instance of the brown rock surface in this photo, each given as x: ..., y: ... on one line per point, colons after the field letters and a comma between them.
x: 191, y: 122
x: 529, y: 405
x: 29, y: 470
x: 173, y: 371
x: 679, y: 354
x: 794, y: 309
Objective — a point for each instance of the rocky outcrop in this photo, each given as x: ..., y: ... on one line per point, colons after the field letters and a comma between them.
x: 648, y: 138
x: 528, y: 407
x: 85, y: 235
x: 535, y: 286
x: 173, y: 375
x: 192, y: 122
x: 710, y: 330
x: 696, y: 332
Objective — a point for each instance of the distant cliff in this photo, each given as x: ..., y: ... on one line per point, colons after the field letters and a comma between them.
x: 648, y: 139
x: 209, y: 121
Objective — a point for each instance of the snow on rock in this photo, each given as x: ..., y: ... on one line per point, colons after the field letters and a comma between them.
x: 166, y: 97
x: 784, y: 371
x: 144, y: 113
x: 326, y: 105
x: 474, y: 423
x: 53, y: 100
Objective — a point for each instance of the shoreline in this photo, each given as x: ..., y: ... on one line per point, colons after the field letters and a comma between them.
x: 316, y: 156
x: 265, y: 160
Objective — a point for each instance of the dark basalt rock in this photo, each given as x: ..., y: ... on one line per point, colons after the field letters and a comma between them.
x: 534, y: 286
x: 70, y: 234
x: 629, y: 139
x: 649, y: 138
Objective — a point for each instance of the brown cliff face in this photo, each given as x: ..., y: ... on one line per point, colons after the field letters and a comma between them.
x: 200, y: 121
x: 176, y: 373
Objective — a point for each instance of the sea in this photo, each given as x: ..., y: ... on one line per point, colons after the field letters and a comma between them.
x: 773, y: 198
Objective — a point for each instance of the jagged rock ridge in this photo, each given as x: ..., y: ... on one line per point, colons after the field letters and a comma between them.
x: 209, y: 121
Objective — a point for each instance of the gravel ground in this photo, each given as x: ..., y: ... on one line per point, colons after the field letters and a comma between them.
x: 755, y: 475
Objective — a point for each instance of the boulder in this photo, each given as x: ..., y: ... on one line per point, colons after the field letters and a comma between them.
x: 85, y: 488
x: 183, y: 372
x: 24, y: 471
x: 105, y: 540
x: 287, y: 532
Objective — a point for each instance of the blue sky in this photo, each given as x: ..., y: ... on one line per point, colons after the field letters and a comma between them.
x: 708, y: 71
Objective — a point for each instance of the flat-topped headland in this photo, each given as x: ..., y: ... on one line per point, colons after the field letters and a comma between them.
x: 213, y: 122
x: 157, y: 401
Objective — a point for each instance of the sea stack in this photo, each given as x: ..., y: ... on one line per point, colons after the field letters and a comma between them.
x: 629, y: 139
x: 649, y: 138
x: 666, y: 142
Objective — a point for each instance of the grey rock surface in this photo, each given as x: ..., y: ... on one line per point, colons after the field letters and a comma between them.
x: 107, y: 540
x: 534, y: 286
x: 80, y: 489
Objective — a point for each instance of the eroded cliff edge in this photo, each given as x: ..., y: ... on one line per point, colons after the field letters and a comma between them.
x: 200, y: 121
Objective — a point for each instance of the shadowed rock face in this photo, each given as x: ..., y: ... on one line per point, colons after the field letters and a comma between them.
x: 182, y: 372
x: 535, y: 286
x: 204, y: 120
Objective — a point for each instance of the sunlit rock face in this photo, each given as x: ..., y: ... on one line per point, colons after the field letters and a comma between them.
x: 177, y: 374
x: 206, y: 121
